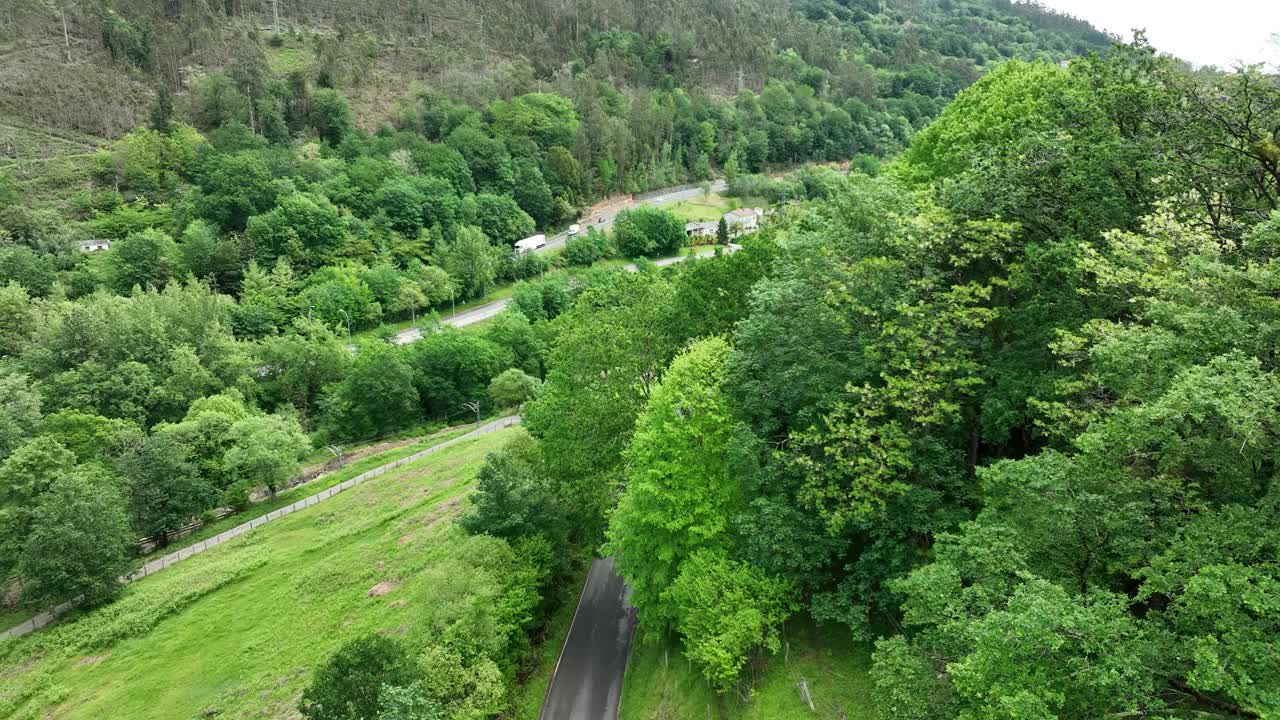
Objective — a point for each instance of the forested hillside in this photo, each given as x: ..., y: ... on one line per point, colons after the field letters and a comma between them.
x: 856, y: 77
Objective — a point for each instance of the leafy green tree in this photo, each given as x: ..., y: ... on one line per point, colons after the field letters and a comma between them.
x: 22, y: 265
x: 350, y: 684
x: 303, y: 227
x: 80, y: 541
x: 210, y: 256
x: 377, y: 396
x: 724, y: 611
x: 25, y: 476
x: 501, y: 219
x: 151, y: 162
x: 487, y: 157
x: 440, y: 160
x: 20, y: 405
x: 144, y: 259
x: 233, y: 188
x: 91, y: 437
x: 17, y: 319
x: 680, y: 492
x: 545, y: 118
x: 543, y: 299
x: 510, y: 329
x: 722, y: 232
x: 206, y: 433
x: 587, y: 247
x: 164, y: 486
x: 217, y: 101
x: 533, y: 194
x: 410, y: 702
x: 329, y: 115
x: 562, y: 173
x: 603, y: 365
x: 453, y: 367
x: 512, y: 387
x: 512, y: 498
x: 470, y: 260
x: 265, y: 451
x: 647, y: 231
x: 299, y: 364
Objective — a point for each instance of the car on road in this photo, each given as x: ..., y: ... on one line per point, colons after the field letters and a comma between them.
x: 574, y: 229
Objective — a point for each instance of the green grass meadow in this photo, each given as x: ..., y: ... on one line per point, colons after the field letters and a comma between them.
x: 235, y: 632
x: 662, y: 685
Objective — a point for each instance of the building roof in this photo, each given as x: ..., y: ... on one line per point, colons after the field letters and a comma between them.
x: 741, y: 213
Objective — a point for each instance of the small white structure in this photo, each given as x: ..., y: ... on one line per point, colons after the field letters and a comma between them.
x: 574, y: 230
x: 530, y: 244
x: 743, y: 220
x: 700, y: 229
x: 94, y: 245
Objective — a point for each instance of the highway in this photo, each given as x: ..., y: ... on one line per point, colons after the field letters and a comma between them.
x: 587, y: 681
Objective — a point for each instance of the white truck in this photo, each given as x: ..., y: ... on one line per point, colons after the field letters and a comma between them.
x: 531, y: 243
x: 574, y: 230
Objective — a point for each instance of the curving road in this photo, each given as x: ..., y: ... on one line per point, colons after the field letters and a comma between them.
x: 587, y: 681
x: 488, y: 310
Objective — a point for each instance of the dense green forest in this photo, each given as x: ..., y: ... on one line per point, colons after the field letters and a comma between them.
x: 1008, y: 411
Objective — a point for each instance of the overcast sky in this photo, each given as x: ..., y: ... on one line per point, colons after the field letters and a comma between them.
x: 1216, y: 32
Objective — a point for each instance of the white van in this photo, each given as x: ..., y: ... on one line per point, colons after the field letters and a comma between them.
x: 574, y: 230
x: 530, y: 244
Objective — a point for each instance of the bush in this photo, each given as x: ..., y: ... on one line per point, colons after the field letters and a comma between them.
x: 512, y: 387
x: 351, y: 684
x: 588, y: 247
x: 647, y: 231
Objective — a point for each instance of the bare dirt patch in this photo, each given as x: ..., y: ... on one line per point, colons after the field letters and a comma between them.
x: 382, y: 588
x: 94, y: 659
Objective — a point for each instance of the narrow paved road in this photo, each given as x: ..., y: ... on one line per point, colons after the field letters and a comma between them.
x: 488, y: 310
x: 587, y: 682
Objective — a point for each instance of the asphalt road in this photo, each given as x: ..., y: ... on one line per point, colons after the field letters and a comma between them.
x: 488, y: 310
x: 603, y: 221
x: 587, y: 682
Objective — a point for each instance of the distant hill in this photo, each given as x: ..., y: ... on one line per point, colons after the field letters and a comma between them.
x: 92, y: 67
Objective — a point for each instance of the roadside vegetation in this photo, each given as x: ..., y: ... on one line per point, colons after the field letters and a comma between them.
x: 237, y: 631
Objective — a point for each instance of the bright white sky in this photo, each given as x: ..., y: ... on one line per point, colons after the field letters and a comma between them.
x: 1205, y: 32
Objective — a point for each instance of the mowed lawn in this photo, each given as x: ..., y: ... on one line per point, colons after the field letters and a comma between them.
x: 702, y: 208
x: 235, y: 632
x: 662, y: 685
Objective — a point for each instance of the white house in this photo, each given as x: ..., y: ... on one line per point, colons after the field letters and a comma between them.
x: 700, y: 229
x: 743, y: 220
x: 94, y: 245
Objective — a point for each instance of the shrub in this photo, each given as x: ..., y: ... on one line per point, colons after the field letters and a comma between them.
x: 512, y: 387
x: 588, y: 247
x: 646, y: 231
x: 351, y: 684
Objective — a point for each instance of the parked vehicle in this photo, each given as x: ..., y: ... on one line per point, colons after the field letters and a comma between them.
x: 574, y: 230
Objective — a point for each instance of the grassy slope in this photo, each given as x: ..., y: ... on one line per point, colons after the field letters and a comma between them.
x: 274, y: 604
x: 703, y: 208
x: 661, y: 684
